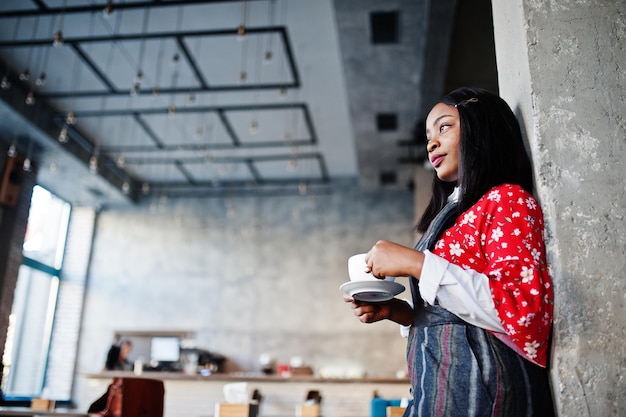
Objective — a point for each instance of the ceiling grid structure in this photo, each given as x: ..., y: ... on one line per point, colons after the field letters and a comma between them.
x: 141, y: 99
x: 183, y: 98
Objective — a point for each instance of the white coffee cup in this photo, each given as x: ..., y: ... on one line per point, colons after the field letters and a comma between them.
x: 357, y: 268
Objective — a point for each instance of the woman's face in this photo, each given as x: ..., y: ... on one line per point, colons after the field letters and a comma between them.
x: 443, y: 132
x: 125, y: 350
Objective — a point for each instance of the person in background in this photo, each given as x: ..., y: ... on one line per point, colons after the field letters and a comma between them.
x: 117, y: 357
x: 480, y: 318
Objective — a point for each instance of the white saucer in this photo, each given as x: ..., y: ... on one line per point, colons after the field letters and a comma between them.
x: 372, y: 291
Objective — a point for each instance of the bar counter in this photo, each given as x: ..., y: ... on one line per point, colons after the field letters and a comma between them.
x: 189, y: 395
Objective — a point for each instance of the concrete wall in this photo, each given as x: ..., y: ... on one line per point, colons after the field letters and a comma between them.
x: 383, y: 78
x: 561, y: 64
x: 248, y: 276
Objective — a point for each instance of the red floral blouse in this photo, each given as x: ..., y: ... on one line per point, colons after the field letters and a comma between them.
x: 501, y: 236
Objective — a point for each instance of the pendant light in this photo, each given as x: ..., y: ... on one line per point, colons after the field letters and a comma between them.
x: 58, y: 35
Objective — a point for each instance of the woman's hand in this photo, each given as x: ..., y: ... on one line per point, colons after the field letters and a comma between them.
x: 369, y: 312
x: 386, y: 258
x: 396, y: 310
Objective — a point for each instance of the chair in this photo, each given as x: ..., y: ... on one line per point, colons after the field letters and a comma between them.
x: 140, y: 397
x: 379, y: 406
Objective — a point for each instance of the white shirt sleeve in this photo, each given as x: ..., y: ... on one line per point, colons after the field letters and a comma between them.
x: 463, y: 292
x: 404, y: 330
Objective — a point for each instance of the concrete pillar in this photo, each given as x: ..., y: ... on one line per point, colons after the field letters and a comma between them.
x: 561, y: 66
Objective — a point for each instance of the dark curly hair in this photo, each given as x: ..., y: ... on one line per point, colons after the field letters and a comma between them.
x: 491, y: 151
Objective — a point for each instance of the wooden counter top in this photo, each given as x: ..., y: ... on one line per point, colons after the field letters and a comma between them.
x: 243, y: 376
x: 196, y: 395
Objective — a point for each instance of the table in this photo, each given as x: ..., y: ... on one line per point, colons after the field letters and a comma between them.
x: 196, y: 395
x: 29, y: 412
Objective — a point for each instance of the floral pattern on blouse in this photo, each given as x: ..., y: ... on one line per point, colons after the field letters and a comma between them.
x: 501, y: 236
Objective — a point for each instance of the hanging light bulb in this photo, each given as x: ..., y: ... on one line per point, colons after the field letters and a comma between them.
x: 121, y: 161
x: 175, y: 59
x: 24, y: 75
x: 291, y: 165
x: 12, y: 151
x: 254, y: 127
x: 171, y: 111
x: 93, y: 164
x: 302, y: 188
x: 145, y: 188
x: 241, y: 33
x: 267, y: 57
x: 125, y: 187
x: 30, y: 99
x: 5, y: 83
x: 139, y: 77
x: 63, y: 138
x: 27, y: 166
x: 108, y: 10
x: 53, y: 166
x: 58, y: 39
x: 70, y: 119
x: 41, y: 80
x: 155, y: 92
x: 242, y: 77
x: 135, y: 89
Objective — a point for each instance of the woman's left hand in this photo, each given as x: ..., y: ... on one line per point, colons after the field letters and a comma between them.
x: 369, y: 312
x: 387, y: 258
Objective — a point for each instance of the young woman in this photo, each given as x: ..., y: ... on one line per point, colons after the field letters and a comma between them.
x: 117, y: 357
x: 480, y: 319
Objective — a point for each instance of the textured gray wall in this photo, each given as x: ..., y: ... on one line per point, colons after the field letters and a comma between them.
x: 248, y: 276
x: 562, y: 65
x: 382, y: 78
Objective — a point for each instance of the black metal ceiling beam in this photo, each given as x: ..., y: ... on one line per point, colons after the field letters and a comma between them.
x: 177, y: 35
x: 181, y: 167
x: 18, y: 43
x: 148, y: 130
x: 154, y: 187
x: 192, y: 63
x: 250, y: 162
x: 114, y: 150
x: 194, y: 109
x: 229, y: 159
x: 222, y: 115
x: 243, y: 189
x: 44, y: 10
x: 228, y: 127
x: 96, y: 70
x: 253, y: 171
x: 169, y: 91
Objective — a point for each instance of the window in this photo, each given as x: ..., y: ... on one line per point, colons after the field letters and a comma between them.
x: 386, y: 122
x: 388, y: 178
x: 34, y: 303
x: 384, y: 27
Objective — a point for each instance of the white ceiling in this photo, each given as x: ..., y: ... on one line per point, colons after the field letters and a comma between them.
x: 186, y: 126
